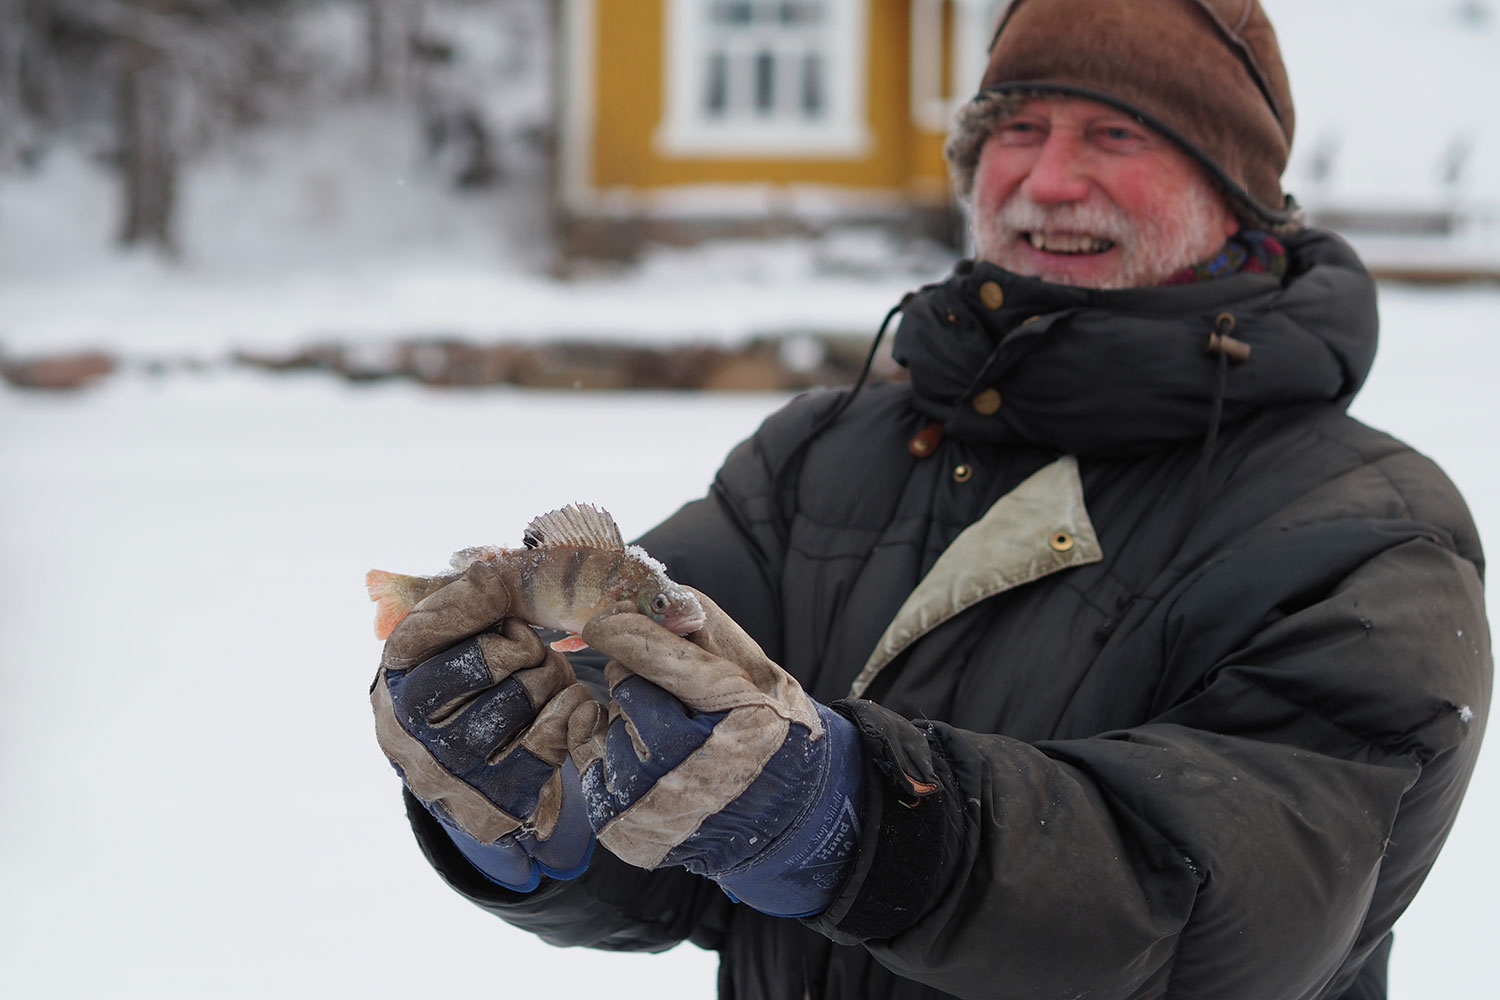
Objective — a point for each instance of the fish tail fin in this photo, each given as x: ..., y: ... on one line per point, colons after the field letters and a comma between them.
x: 393, y: 599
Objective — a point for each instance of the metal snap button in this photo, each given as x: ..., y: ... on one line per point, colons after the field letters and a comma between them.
x: 1061, y: 541
x: 992, y: 295
x: 963, y: 473
x: 987, y: 402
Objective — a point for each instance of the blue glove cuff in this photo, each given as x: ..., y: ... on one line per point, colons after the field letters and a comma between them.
x: 800, y: 874
x: 518, y: 861
x: 508, y: 863
x: 504, y: 862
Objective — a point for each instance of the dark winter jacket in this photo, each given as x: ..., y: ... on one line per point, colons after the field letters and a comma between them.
x: 1186, y: 710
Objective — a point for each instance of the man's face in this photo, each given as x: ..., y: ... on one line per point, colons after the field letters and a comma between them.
x: 1077, y: 193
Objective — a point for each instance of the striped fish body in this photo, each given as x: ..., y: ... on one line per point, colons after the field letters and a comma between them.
x: 564, y: 587
x: 575, y: 566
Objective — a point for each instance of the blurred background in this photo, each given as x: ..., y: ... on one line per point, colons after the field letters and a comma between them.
x: 293, y: 288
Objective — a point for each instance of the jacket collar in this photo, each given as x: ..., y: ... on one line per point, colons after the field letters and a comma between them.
x: 1039, y: 528
x: 1112, y: 373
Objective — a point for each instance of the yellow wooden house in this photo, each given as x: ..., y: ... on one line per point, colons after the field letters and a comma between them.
x: 682, y: 118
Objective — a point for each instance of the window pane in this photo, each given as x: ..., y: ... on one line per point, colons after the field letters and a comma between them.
x: 801, y: 13
x: 716, y: 90
x: 732, y: 13
x: 763, y: 64
x: 812, y: 85
x: 765, y: 81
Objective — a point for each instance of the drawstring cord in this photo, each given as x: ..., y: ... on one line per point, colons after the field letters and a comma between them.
x: 1225, y: 349
x: 825, y: 421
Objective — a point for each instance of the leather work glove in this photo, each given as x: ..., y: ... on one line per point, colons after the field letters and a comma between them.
x: 715, y: 759
x: 472, y: 709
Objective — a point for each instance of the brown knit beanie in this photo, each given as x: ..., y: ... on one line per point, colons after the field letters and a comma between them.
x: 1205, y: 73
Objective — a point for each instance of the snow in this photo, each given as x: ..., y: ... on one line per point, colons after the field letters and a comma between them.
x: 281, y: 251
x: 195, y: 802
x: 1391, y: 99
x: 1392, y: 89
x: 195, y: 805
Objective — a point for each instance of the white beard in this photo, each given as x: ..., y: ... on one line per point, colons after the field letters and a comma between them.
x: 1147, y: 253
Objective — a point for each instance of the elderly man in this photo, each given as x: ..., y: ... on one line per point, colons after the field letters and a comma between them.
x: 1106, y: 657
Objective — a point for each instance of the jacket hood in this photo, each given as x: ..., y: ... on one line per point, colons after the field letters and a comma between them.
x: 1113, y: 373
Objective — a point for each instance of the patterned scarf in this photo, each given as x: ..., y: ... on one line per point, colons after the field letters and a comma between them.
x: 1248, y: 251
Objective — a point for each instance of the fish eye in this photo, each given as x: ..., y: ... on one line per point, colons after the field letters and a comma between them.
x: 660, y: 604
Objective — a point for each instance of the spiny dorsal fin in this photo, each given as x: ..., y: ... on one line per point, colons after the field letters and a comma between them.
x: 579, y: 524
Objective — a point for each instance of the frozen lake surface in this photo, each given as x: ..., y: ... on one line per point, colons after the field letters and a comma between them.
x: 195, y: 805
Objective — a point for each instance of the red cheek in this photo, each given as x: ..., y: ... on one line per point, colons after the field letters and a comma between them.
x: 997, y: 176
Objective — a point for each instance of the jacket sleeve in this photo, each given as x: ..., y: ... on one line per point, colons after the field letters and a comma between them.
x: 723, y: 544
x: 1322, y: 701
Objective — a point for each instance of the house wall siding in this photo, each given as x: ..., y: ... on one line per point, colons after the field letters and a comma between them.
x: 628, y: 98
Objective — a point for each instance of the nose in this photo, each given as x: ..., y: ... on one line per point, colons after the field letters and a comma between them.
x: 1057, y: 175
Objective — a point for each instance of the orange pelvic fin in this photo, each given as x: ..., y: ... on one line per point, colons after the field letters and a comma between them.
x: 571, y: 644
x: 393, y: 599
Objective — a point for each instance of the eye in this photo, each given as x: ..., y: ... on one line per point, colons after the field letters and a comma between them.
x: 1017, y: 131
x: 1121, y: 136
x: 660, y: 604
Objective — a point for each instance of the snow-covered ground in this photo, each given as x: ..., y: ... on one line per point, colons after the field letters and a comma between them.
x: 282, y: 248
x: 194, y: 802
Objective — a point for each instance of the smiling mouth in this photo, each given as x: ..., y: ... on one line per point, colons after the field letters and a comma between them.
x: 1069, y: 244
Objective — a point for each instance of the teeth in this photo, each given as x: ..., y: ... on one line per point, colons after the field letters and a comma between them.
x: 1068, y: 243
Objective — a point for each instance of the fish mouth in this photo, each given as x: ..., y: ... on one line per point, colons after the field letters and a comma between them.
x: 686, y: 616
x: 687, y: 624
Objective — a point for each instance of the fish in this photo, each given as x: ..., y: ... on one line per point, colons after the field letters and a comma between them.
x: 574, y: 565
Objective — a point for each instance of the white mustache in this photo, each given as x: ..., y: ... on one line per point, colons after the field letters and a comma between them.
x: 1020, y: 214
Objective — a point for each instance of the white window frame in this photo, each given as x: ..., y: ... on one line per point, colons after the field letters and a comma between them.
x: 974, y: 23
x: 688, y: 130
